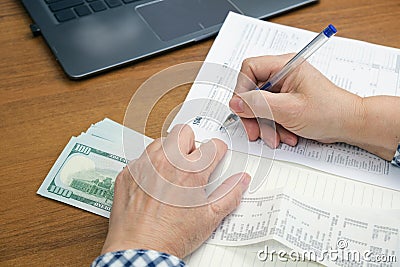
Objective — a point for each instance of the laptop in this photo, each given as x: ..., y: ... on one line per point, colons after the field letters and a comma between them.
x: 92, y: 36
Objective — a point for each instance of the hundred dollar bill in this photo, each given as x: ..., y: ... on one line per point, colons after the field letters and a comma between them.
x: 84, y: 174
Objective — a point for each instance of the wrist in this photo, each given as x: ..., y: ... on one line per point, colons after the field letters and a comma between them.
x: 137, y: 257
x: 370, y: 125
x: 354, y: 117
x: 136, y: 246
x: 141, y: 241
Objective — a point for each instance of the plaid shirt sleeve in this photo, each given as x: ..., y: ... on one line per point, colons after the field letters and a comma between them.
x: 396, y: 158
x: 137, y: 258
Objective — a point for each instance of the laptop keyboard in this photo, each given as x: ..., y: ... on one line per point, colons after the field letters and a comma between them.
x: 65, y: 10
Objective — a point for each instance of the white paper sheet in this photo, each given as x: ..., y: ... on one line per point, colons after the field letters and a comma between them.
x: 300, y: 208
x: 363, y: 68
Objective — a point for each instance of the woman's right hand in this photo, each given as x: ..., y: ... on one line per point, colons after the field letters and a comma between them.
x: 305, y: 104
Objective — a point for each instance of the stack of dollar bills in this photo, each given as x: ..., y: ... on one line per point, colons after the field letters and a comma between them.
x: 84, y: 174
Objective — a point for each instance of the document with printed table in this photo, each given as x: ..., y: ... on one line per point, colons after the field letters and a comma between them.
x: 296, y: 207
x: 362, y: 68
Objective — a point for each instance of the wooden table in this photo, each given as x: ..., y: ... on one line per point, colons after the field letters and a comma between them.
x: 41, y: 109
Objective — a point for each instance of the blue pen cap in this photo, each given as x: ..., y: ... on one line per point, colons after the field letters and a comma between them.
x: 330, y: 30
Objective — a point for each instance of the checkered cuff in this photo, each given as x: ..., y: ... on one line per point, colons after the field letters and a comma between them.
x: 396, y: 158
x: 137, y: 258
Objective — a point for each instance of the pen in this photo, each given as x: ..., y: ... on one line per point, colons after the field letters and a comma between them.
x: 296, y: 61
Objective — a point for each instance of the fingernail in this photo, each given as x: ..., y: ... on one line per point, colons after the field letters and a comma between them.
x: 236, y: 104
x: 292, y: 141
x: 271, y: 143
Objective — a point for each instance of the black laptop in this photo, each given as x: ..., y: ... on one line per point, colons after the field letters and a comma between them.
x: 90, y: 36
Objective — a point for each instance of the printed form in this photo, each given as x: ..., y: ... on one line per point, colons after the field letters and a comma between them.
x: 362, y: 68
x: 304, y: 210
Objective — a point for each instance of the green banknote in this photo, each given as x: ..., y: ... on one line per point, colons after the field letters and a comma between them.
x: 84, y: 174
x: 84, y: 177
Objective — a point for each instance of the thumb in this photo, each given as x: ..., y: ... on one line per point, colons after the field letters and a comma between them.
x: 221, y: 204
x: 263, y: 104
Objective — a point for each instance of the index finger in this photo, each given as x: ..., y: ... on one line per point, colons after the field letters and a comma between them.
x: 257, y: 70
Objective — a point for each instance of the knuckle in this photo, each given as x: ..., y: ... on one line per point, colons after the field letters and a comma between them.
x: 185, y: 178
x: 159, y: 159
x: 178, y: 126
x: 154, y: 145
x: 221, y: 145
x: 246, y: 62
x: 183, y: 129
x: 216, y: 209
x: 237, y: 198
x: 219, y: 210
x: 158, y: 140
x: 119, y: 180
x: 187, y: 128
x: 251, y: 64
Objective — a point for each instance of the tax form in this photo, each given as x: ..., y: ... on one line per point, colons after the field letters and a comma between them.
x: 362, y: 68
